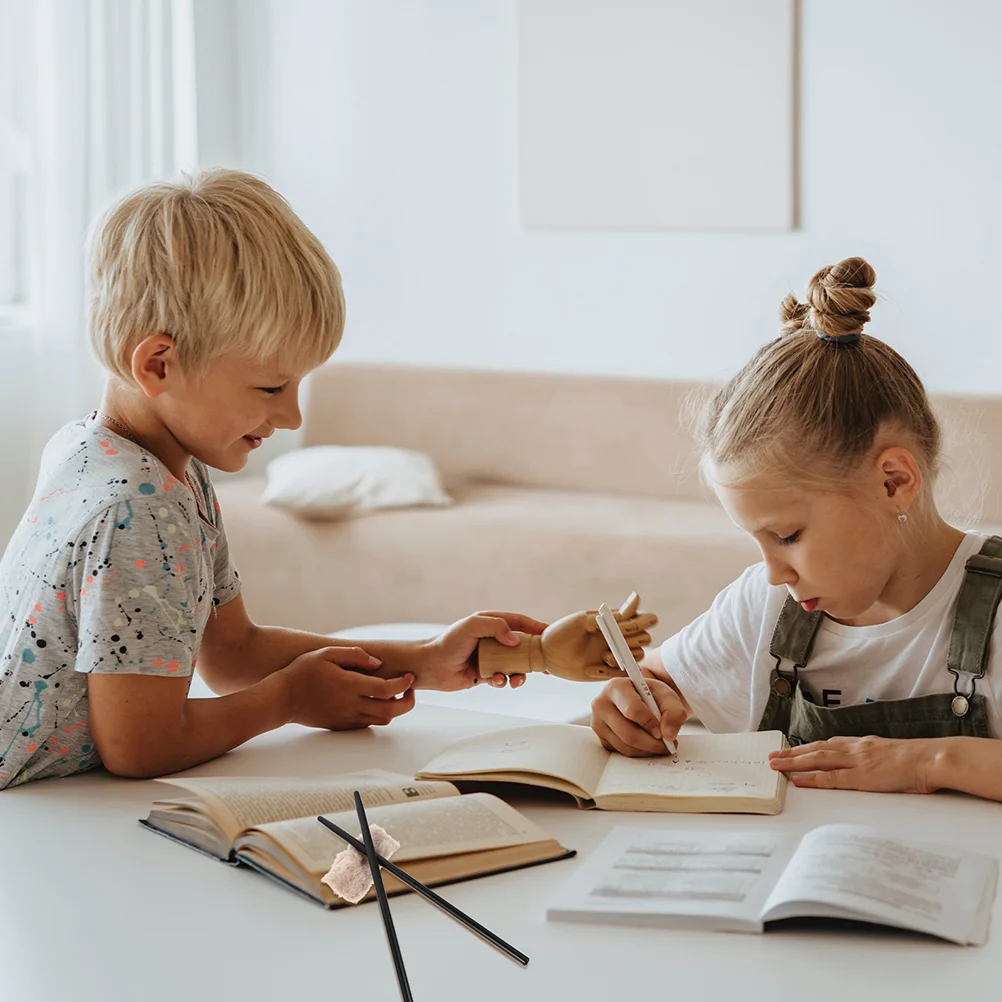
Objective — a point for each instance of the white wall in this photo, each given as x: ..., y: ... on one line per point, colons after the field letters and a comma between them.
x: 391, y: 126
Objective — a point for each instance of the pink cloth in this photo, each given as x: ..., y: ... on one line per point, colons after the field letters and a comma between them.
x: 349, y: 876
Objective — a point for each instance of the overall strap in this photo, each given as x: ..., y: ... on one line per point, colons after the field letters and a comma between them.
x: 979, y: 597
x: 793, y: 637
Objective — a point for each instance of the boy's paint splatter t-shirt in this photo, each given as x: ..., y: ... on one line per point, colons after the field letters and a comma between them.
x: 110, y: 570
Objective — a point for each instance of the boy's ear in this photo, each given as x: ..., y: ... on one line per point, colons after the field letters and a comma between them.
x: 154, y: 360
x: 900, y: 475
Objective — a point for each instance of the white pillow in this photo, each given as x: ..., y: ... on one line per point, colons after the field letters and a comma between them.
x: 332, y: 481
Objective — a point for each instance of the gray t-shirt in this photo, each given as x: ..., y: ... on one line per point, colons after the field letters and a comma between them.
x: 110, y: 570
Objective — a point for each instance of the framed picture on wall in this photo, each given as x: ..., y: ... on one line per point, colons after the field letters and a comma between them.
x: 674, y: 114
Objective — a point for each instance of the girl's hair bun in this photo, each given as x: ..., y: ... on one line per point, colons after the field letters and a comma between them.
x: 839, y: 298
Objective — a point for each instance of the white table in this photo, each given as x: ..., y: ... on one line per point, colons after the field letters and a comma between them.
x: 93, y: 908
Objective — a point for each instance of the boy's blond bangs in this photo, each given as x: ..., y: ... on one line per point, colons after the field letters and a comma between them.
x: 221, y: 263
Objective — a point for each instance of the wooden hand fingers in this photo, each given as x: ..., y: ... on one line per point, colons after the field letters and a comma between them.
x: 636, y: 624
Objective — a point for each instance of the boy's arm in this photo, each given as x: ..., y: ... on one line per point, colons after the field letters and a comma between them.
x: 144, y: 725
x: 236, y: 653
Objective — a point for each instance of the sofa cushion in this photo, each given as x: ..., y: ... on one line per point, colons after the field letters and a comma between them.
x: 335, y: 481
x: 517, y: 549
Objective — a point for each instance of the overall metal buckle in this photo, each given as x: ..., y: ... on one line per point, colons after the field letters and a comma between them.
x: 781, y: 685
x: 961, y: 702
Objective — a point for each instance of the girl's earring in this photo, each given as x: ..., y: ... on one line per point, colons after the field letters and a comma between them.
x: 902, y: 517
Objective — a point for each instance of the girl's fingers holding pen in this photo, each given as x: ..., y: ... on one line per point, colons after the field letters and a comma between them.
x: 617, y: 734
x: 625, y: 699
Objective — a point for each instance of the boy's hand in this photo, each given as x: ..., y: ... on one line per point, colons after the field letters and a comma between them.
x: 625, y: 725
x: 449, y: 661
x: 322, y: 693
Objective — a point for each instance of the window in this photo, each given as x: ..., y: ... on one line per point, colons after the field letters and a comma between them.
x: 16, y: 149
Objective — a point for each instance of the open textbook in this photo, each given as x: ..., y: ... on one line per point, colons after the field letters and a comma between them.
x: 714, y: 772
x: 739, y: 881
x: 270, y: 824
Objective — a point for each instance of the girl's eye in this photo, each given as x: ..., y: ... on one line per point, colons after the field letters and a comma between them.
x: 270, y: 389
x: 787, y: 540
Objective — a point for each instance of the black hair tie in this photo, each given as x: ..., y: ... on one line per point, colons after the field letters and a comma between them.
x: 839, y: 338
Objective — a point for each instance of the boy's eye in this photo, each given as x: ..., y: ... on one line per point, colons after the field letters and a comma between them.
x: 792, y: 538
x: 270, y: 389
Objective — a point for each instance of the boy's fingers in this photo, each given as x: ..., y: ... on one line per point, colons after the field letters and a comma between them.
x: 516, y: 621
x: 382, y: 711
x: 349, y: 657
x: 382, y: 688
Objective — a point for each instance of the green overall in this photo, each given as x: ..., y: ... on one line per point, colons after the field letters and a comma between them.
x: 941, y: 715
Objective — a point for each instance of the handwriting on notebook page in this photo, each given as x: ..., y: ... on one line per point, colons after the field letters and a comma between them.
x: 660, y: 775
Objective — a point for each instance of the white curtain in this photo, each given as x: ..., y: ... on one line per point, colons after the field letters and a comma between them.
x: 113, y: 101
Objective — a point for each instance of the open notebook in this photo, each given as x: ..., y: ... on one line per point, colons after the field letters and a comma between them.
x: 714, y: 773
x: 740, y: 881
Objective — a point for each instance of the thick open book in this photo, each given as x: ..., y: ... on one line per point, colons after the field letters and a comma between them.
x: 739, y: 881
x: 271, y: 824
x: 714, y: 772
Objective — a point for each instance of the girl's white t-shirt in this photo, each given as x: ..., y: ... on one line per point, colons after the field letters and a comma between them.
x: 722, y: 665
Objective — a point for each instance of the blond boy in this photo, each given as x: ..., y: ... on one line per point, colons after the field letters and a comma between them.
x: 209, y: 302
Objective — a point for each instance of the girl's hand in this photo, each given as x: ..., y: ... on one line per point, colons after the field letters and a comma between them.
x: 876, y: 764
x: 449, y: 661
x: 623, y: 723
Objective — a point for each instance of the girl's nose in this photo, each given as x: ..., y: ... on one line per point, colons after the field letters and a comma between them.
x: 779, y: 572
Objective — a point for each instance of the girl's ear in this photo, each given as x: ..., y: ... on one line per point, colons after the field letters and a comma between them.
x: 901, y: 477
x: 153, y: 360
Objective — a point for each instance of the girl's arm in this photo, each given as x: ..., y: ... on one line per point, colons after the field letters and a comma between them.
x: 918, y: 765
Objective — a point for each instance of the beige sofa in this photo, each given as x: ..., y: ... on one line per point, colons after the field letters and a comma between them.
x: 569, y: 491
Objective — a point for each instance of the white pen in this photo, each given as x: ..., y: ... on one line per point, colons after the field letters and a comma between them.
x: 624, y: 658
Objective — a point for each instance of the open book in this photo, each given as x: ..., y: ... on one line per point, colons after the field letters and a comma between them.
x: 271, y: 824
x: 739, y: 881
x: 714, y: 772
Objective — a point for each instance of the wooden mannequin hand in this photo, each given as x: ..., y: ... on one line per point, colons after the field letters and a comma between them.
x: 571, y: 648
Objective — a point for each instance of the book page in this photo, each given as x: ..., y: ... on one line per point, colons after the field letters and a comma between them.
x: 861, y: 873
x: 239, y: 802
x: 567, y: 751
x: 639, y: 873
x: 440, y: 827
x: 709, y: 765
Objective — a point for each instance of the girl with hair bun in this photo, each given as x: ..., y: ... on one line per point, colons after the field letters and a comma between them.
x: 867, y: 634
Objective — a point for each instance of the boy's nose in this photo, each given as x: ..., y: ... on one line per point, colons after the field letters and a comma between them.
x: 291, y: 416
